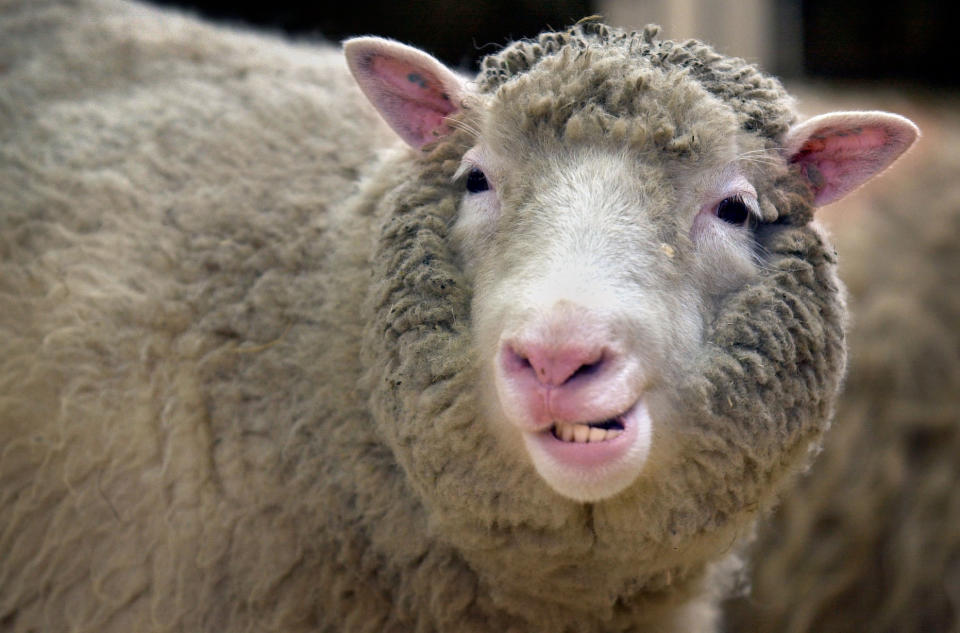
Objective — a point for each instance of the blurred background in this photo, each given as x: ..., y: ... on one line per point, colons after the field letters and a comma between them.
x: 869, y: 540
x: 906, y: 41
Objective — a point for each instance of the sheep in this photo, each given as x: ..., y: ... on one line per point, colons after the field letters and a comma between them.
x: 298, y: 341
x: 868, y: 540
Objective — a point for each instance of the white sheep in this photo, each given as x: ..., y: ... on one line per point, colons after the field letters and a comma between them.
x: 264, y: 368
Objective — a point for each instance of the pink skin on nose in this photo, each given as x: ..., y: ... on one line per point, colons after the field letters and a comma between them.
x: 552, y: 365
x: 562, y: 369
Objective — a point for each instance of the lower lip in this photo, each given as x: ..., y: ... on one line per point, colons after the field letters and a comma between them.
x: 591, y: 455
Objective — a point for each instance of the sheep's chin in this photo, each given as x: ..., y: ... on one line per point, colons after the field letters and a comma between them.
x: 597, y: 477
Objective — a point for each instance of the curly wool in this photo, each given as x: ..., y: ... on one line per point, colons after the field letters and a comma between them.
x: 190, y: 440
x: 760, y: 102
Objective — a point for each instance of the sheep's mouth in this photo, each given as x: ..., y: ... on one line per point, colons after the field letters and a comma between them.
x: 589, y: 432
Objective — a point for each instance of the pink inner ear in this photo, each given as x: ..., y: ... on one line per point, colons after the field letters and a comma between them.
x: 415, y: 84
x: 411, y: 99
x: 836, y: 159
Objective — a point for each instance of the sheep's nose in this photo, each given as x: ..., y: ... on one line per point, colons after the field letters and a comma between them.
x: 552, y: 364
x: 563, y: 365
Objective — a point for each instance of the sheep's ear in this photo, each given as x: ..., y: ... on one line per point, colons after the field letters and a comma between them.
x: 412, y: 91
x: 840, y: 151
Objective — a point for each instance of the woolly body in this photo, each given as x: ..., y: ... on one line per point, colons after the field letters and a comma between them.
x: 239, y: 389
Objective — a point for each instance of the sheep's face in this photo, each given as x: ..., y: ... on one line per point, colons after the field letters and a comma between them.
x: 649, y: 300
x: 598, y: 244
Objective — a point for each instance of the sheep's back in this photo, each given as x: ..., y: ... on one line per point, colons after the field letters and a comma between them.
x: 170, y: 198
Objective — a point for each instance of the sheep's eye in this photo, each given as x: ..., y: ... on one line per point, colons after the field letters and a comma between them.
x: 476, y: 181
x: 733, y: 210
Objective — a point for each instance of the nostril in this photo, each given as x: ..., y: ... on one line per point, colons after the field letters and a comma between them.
x: 515, y: 361
x: 553, y: 365
x: 586, y: 369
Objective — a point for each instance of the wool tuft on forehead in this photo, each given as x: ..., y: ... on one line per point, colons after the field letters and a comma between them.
x: 759, y: 101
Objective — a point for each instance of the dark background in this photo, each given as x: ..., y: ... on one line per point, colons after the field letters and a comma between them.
x: 864, y: 40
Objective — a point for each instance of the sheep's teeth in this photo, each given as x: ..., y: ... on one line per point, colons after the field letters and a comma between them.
x: 583, y: 433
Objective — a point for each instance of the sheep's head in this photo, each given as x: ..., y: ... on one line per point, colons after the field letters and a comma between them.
x: 655, y: 323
